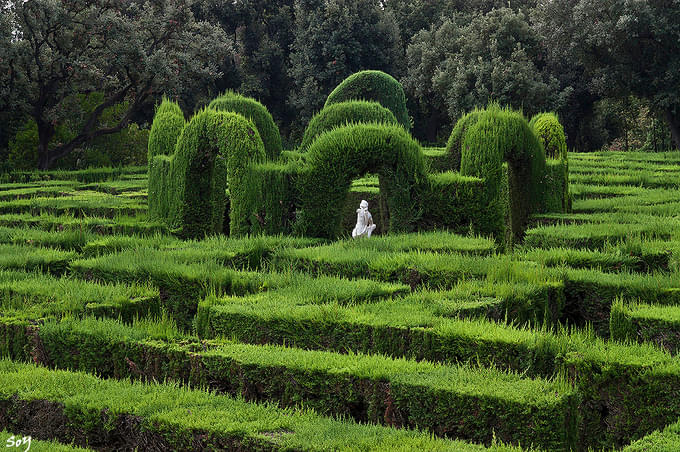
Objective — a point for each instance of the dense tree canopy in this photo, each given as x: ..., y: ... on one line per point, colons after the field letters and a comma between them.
x: 470, y: 60
x: 128, y: 51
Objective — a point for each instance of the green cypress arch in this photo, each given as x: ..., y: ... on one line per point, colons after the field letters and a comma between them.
x: 502, y: 148
x: 341, y: 155
x: 214, y: 151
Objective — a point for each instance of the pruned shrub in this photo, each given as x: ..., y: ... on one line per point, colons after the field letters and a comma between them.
x: 337, y: 157
x: 516, y: 190
x: 376, y: 86
x: 166, y: 128
x: 214, y: 147
x: 455, y: 143
x: 551, y: 133
x: 344, y: 113
x: 256, y: 112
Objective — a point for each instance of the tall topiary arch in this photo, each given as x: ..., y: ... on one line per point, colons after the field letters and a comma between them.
x: 344, y: 113
x: 341, y: 155
x: 455, y: 144
x: 551, y: 134
x: 376, y: 86
x: 215, y: 149
x: 502, y: 148
x: 166, y: 128
x: 256, y: 112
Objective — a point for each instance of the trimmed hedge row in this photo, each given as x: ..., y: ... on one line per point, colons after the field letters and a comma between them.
x: 182, y: 285
x: 30, y: 297
x: 86, y: 175
x: 646, y: 323
x: 482, y: 403
x: 82, y: 204
x: 627, y: 391
x: 32, y: 258
x: 120, y: 225
x: 120, y: 414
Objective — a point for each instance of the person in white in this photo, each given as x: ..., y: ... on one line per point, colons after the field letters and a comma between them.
x: 365, y: 226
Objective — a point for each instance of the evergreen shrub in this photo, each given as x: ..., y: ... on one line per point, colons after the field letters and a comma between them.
x: 214, y: 147
x: 499, y: 136
x: 455, y: 143
x: 339, y: 156
x: 343, y: 113
x: 376, y: 86
x: 256, y: 112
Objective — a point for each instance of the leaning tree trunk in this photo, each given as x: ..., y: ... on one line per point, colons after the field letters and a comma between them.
x: 45, y: 134
x: 674, y: 124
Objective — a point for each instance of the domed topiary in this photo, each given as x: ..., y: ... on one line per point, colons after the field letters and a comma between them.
x: 455, y: 143
x: 376, y: 86
x: 551, y: 133
x: 256, y: 112
x: 343, y: 113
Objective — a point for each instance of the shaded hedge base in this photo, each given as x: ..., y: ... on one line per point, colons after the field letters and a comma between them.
x: 49, y: 420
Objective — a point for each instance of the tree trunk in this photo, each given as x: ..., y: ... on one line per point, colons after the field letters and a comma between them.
x: 45, y: 134
x: 674, y: 124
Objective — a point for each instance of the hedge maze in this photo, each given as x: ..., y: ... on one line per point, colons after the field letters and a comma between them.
x: 510, y: 302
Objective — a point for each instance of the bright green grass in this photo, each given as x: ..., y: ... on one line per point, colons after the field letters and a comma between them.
x: 183, y: 410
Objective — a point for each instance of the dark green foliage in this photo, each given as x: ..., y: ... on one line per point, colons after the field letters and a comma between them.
x: 499, y: 136
x: 373, y: 86
x: 557, y: 182
x: 215, y: 148
x: 454, y: 202
x: 454, y: 147
x: 344, y: 113
x: 341, y: 155
x: 659, y: 441
x: 279, y: 195
x: 256, y: 112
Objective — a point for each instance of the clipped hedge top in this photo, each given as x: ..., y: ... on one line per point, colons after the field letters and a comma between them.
x: 551, y: 134
x: 455, y: 143
x: 344, y: 113
x: 377, y: 86
x: 256, y: 112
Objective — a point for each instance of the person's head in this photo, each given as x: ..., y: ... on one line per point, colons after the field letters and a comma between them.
x: 364, y: 204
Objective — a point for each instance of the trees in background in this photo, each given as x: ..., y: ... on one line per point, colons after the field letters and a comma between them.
x: 128, y: 51
x: 582, y: 58
x: 470, y: 60
x: 623, y: 48
x: 333, y: 40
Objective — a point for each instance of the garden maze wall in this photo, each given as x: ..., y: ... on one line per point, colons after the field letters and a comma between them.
x: 122, y: 329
